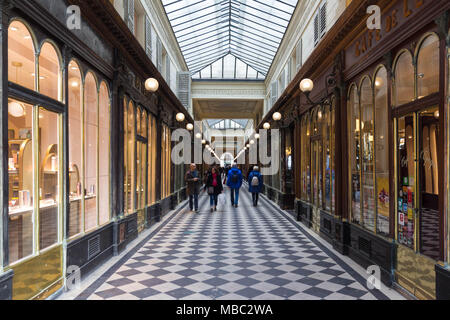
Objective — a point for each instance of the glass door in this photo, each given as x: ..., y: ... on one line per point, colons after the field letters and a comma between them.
x: 418, y: 182
x: 36, y: 201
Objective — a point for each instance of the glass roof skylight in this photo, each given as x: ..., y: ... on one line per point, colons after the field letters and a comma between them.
x: 209, y: 30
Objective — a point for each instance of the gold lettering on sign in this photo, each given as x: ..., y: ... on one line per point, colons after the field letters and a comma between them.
x: 406, y: 10
x: 388, y: 24
x: 394, y: 18
x: 367, y: 40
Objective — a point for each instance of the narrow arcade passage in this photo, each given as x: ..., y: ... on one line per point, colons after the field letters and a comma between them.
x: 232, y: 254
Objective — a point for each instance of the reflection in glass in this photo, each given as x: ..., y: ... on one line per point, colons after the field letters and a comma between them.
x: 367, y: 159
x: 326, y: 138
x: 382, y: 151
x: 21, y: 59
x: 404, y: 79
x: 354, y: 155
x: 75, y: 149
x: 90, y: 155
x: 428, y: 67
x: 429, y: 184
x: 20, y: 176
x: 49, y: 187
x: 406, y: 180
x: 49, y: 72
x: 104, y: 154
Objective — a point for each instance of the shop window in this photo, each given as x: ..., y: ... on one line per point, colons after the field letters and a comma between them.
x: 317, y: 158
x: 49, y: 178
x: 104, y: 154
x: 49, y: 72
x: 21, y: 183
x: 428, y: 67
x: 129, y: 157
x: 152, y: 160
x: 354, y: 153
x: 404, y: 79
x: 382, y: 150
x: 367, y: 154
x: 141, y: 159
x: 33, y: 140
x: 21, y: 55
x: 90, y: 154
x: 333, y: 155
x: 326, y: 161
x: 75, y: 149
x: 166, y: 162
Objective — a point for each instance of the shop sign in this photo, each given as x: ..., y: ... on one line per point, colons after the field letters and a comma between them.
x: 398, y: 15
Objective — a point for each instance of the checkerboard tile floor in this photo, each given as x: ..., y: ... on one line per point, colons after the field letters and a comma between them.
x: 231, y: 254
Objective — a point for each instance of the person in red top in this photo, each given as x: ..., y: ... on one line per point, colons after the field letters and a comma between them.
x: 214, y: 187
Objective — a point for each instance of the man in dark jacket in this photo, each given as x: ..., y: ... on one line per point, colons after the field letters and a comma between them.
x: 193, y: 181
x: 255, y: 184
x: 234, y: 181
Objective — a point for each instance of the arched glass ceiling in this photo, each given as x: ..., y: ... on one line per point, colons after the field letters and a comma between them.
x: 250, y: 30
x: 228, y: 67
x: 223, y: 124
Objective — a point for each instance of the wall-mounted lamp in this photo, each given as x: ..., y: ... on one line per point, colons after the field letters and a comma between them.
x: 180, y: 117
x: 276, y: 116
x: 266, y: 126
x: 257, y: 136
x: 203, y: 141
x: 151, y: 85
x: 198, y: 135
x: 190, y: 126
x: 307, y: 85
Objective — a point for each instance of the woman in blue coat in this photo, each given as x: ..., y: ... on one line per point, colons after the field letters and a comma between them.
x: 255, y: 184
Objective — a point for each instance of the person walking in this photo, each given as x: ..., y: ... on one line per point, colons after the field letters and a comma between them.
x: 234, y: 181
x: 214, y: 187
x: 255, y: 184
x: 192, y: 179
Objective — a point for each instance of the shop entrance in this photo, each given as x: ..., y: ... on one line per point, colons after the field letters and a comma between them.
x: 35, y: 200
x: 417, y: 207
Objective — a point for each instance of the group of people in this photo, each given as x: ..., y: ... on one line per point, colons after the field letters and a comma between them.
x: 233, y: 178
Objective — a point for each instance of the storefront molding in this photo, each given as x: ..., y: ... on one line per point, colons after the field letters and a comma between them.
x: 166, y: 206
x: 6, y: 280
x: 335, y: 231
x: 442, y: 282
x: 305, y: 213
x: 368, y: 249
x: 127, y: 231
x: 91, y: 250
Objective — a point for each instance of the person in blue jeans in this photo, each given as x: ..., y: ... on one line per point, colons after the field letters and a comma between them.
x: 234, y: 181
x: 192, y: 179
x: 214, y: 187
x: 255, y: 184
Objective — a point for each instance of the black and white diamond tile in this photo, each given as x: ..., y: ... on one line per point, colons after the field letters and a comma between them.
x: 231, y: 254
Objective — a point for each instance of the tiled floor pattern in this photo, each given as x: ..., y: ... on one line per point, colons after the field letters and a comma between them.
x: 232, y: 254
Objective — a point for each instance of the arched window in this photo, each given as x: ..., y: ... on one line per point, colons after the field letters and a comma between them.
x: 130, y: 172
x: 104, y: 154
x: 326, y: 161
x: 367, y: 154
x: 21, y: 55
x: 404, y: 79
x: 304, y: 159
x: 152, y: 160
x: 90, y: 150
x: 354, y: 153
x: 382, y: 149
x: 76, y: 175
x: 308, y: 157
x: 333, y: 155
x: 428, y: 66
x: 49, y: 72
